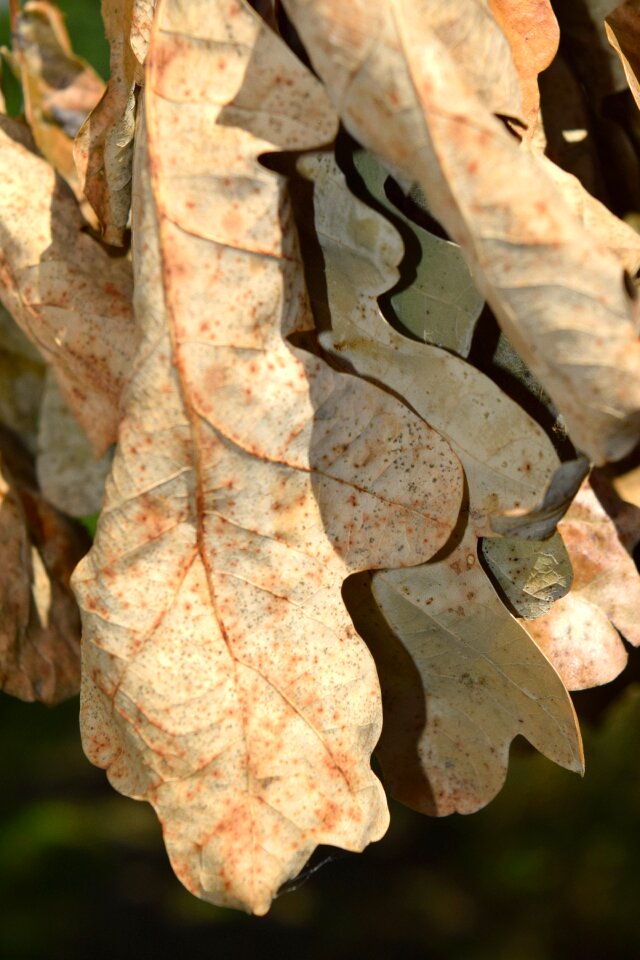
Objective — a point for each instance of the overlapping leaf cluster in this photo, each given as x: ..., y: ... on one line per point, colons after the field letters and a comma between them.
x: 342, y: 512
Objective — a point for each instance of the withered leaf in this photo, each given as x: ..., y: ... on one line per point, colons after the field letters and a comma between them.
x: 39, y: 621
x: 442, y: 303
x: 623, y: 33
x: 579, y: 634
x: 507, y: 457
x: 104, y: 145
x: 606, y: 229
x: 440, y: 750
x: 71, y: 299
x: 59, y: 89
x: 531, y: 573
x: 484, y: 683
x: 532, y: 30
x: 560, y: 299
x: 69, y: 475
x: 224, y: 681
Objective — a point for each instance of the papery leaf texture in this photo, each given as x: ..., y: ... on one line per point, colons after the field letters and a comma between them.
x: 462, y: 678
x: 580, y: 632
x: 223, y: 679
x: 560, y: 298
x: 104, y: 145
x: 71, y: 299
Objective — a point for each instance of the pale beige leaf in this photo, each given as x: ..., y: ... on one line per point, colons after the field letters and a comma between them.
x: 532, y: 30
x: 69, y: 475
x: 22, y: 373
x: 39, y: 622
x: 531, y: 573
x: 441, y: 304
x: 71, y: 299
x: 441, y: 752
x: 578, y: 633
x: 622, y: 26
x: 59, y: 89
x: 506, y: 455
x: 104, y: 146
x: 606, y: 229
x: 224, y: 681
x: 560, y: 299
x: 485, y: 683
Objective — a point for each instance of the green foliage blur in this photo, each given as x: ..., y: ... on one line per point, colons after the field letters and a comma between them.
x: 548, y: 870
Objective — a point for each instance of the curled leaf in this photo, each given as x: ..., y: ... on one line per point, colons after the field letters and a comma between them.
x: 71, y: 299
x: 104, y: 145
x: 579, y: 634
x: 531, y: 573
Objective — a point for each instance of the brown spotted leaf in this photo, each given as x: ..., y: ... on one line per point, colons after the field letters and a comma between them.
x: 224, y: 682
x: 71, y: 299
x: 580, y: 633
x: 39, y: 621
x: 559, y: 297
x: 58, y: 88
x: 104, y: 146
x: 460, y: 677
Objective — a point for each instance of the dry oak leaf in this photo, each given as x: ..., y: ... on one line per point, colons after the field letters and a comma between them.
x: 623, y: 33
x: 560, y: 299
x: 442, y: 304
x: 71, y: 299
x: 39, y: 621
x: 580, y: 633
x: 104, y: 146
x: 604, y: 227
x: 460, y: 677
x: 69, y: 475
x: 532, y: 30
x: 532, y: 574
x: 507, y: 457
x: 59, y: 89
x: 224, y: 681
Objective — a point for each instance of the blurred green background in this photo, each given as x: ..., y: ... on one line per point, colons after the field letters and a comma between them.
x: 548, y: 870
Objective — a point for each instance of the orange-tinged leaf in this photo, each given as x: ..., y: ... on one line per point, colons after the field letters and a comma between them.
x: 71, y: 299
x: 580, y: 632
x: 533, y: 34
x: 559, y: 297
x: 224, y: 681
